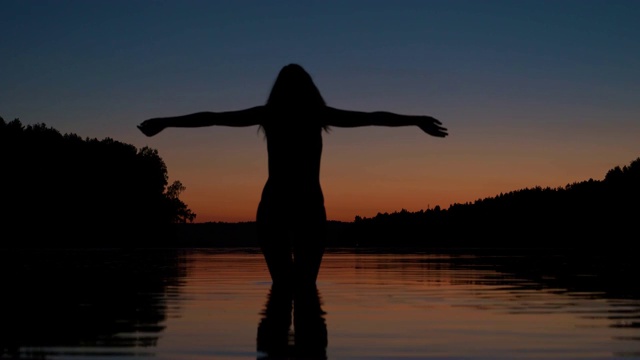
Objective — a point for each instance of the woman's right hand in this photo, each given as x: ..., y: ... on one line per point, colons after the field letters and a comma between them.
x: 151, y: 127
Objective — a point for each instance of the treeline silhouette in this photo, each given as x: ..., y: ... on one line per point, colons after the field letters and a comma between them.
x: 588, y: 215
x: 592, y: 214
x: 63, y: 190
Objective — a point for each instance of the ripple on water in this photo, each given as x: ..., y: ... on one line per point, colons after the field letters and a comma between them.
x: 196, y: 304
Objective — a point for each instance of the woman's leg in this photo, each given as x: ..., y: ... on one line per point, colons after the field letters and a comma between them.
x: 293, y: 247
x: 277, y: 253
x: 308, y: 251
x: 274, y: 243
x: 308, y: 248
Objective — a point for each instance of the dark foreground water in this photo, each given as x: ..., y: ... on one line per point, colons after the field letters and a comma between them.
x: 212, y: 304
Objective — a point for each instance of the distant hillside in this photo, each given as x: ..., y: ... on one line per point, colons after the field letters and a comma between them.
x: 62, y: 190
x: 589, y: 214
x: 585, y: 215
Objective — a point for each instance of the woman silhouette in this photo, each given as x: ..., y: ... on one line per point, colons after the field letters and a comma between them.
x: 291, y: 217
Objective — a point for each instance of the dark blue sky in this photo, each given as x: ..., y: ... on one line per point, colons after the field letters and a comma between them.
x: 533, y: 92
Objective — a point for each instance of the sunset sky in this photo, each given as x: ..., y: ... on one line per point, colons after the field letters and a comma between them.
x: 543, y: 92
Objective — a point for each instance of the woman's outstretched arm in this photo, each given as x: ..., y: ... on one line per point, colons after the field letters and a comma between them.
x: 247, y: 117
x: 348, y: 118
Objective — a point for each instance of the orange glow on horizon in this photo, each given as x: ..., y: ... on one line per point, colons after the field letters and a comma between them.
x: 371, y: 170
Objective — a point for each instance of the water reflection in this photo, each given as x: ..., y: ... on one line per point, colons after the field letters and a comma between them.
x: 307, y: 339
x: 97, y: 303
x: 493, y: 306
x: 203, y: 304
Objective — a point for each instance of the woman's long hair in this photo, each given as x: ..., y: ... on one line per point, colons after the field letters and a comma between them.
x: 295, y: 92
x: 294, y: 88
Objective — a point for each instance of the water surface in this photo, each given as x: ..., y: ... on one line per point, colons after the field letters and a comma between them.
x: 217, y: 304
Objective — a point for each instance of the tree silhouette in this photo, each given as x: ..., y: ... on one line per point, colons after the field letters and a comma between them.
x: 589, y: 215
x: 61, y: 190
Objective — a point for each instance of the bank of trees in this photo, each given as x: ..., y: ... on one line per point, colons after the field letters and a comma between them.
x: 60, y: 190
x: 592, y: 214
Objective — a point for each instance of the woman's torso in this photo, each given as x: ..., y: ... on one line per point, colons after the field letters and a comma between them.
x: 293, y: 188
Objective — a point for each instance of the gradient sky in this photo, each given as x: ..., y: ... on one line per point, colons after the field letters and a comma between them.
x: 533, y: 92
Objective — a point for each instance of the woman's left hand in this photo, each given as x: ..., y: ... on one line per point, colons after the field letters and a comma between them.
x: 432, y: 126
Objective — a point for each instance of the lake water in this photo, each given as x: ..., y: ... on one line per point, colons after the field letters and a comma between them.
x: 218, y: 304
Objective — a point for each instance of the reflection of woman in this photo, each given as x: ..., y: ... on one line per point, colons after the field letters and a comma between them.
x: 308, y: 339
x: 291, y: 216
